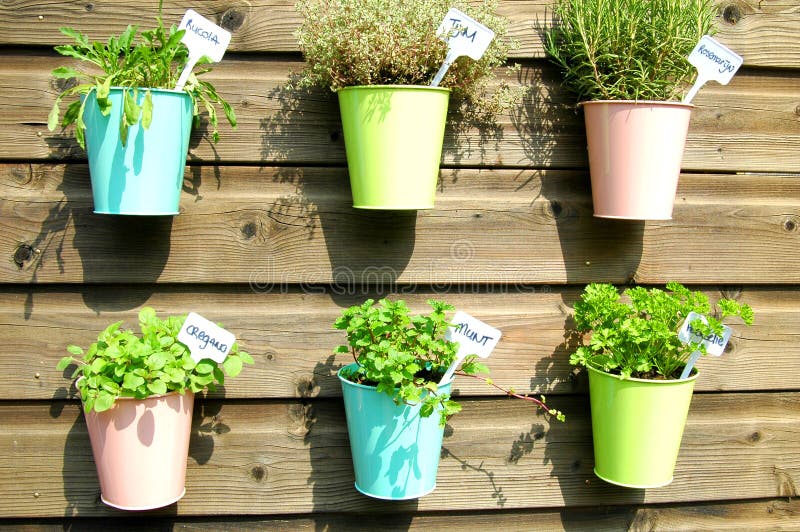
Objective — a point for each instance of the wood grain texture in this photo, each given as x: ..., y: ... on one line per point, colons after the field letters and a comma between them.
x: 764, y: 33
x: 268, y: 244
x: 289, y: 332
x: 273, y: 226
x: 289, y: 458
x: 766, y: 514
x: 751, y: 124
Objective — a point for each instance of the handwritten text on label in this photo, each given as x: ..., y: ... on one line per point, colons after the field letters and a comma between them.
x: 714, y: 343
x: 205, y: 339
x: 203, y: 37
x: 464, y: 35
x: 474, y: 336
x: 714, y: 61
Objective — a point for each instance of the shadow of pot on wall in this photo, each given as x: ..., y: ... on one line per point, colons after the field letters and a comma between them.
x: 366, y: 249
x: 111, y: 249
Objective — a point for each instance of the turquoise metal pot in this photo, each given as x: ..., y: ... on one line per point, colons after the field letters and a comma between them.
x: 395, y: 451
x: 145, y: 176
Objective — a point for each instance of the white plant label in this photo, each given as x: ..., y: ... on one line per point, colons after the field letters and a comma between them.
x: 715, y: 344
x: 205, y: 339
x: 474, y: 338
x: 202, y: 38
x: 464, y: 36
x: 713, y: 61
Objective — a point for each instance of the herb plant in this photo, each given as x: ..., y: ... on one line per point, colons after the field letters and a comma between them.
x: 627, y: 49
x: 154, y: 62
x: 639, y: 338
x: 122, y: 364
x: 384, y: 42
x: 406, y: 356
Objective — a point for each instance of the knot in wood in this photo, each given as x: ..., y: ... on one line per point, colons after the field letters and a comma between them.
x: 307, y: 387
x: 732, y: 14
x: 62, y: 84
x: 259, y: 473
x: 249, y: 230
x: 23, y: 254
x: 731, y: 292
x: 232, y: 19
x: 556, y: 209
x: 790, y: 225
x: 22, y: 174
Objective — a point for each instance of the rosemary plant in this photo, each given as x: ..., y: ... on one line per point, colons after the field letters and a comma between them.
x: 627, y: 49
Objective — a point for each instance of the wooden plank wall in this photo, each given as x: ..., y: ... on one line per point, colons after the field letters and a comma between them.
x: 268, y: 244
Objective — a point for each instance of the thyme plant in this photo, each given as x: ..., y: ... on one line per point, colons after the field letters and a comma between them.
x: 384, y: 42
x: 155, y: 61
x: 627, y: 49
x: 639, y: 338
x: 122, y: 364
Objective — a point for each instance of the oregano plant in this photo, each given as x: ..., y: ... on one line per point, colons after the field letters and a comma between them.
x: 122, y: 364
x: 638, y: 337
x: 153, y: 61
x: 405, y: 356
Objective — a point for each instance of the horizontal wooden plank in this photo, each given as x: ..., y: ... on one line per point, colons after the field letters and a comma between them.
x: 288, y: 458
x: 272, y: 226
x: 765, y: 34
x: 767, y: 514
x: 750, y: 125
x: 290, y: 334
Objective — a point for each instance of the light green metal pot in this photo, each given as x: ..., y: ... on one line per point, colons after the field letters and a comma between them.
x: 637, y: 427
x: 393, y: 136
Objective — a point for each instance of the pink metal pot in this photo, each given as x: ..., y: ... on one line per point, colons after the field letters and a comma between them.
x: 140, y: 449
x: 635, y: 153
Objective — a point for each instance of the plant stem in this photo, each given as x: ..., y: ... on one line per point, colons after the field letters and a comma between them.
x: 539, y: 403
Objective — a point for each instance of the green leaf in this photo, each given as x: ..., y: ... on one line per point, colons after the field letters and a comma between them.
x: 157, y: 387
x: 157, y: 360
x: 229, y: 114
x: 246, y: 358
x: 219, y: 375
x: 147, y: 316
x: 75, y: 350
x: 52, y: 118
x: 426, y: 409
x: 88, y: 402
x: 232, y: 365
x: 131, y: 381
x: 98, y: 364
x: 147, y: 110
x: 103, y: 402
x: 205, y: 366
x: 102, y: 91
x: 65, y: 73
x: 64, y: 363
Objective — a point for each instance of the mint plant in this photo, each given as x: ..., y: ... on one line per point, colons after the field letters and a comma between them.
x: 122, y: 364
x: 639, y: 338
x: 406, y: 356
x: 627, y: 49
x: 154, y: 62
